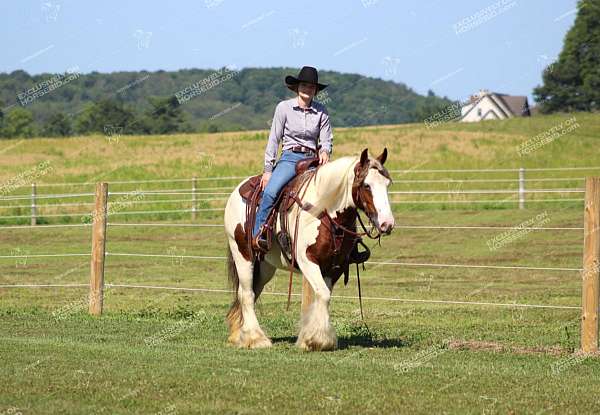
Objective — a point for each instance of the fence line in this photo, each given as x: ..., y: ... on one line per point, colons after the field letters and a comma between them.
x: 132, y: 202
x: 190, y: 225
x: 186, y: 192
x: 512, y: 170
x: 163, y: 255
x: 41, y: 255
x: 432, y: 265
x: 449, y: 192
x: 393, y: 202
x: 43, y: 285
x: 454, y: 180
x: 216, y: 225
x: 411, y: 264
x: 344, y: 297
x: 186, y: 225
x: 45, y: 226
x: 450, y: 201
x: 47, y: 205
x: 405, y: 181
x: 165, y: 191
x: 139, y: 212
x: 47, y: 215
x: 65, y: 184
x: 173, y: 180
x: 405, y: 264
x: 499, y: 191
x: 533, y: 228
x: 53, y: 196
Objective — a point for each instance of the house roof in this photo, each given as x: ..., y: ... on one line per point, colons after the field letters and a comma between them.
x: 517, y: 105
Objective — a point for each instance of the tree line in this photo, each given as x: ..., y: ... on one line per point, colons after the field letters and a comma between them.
x: 149, y: 102
x: 164, y: 116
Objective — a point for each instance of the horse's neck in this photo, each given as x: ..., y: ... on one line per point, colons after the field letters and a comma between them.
x: 332, y: 189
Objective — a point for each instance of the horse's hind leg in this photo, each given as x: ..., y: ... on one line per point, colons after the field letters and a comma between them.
x: 244, y: 328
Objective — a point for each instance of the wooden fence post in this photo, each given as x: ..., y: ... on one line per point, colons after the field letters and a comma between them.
x: 591, y: 266
x: 33, y: 206
x: 194, y: 199
x: 521, y: 188
x: 99, y: 217
x: 307, y: 295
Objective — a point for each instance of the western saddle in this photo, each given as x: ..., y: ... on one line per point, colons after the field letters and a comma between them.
x: 345, y: 241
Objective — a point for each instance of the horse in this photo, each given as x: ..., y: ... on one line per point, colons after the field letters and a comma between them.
x: 339, y: 188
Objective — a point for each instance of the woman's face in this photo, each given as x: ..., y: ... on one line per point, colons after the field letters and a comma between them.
x: 306, y: 90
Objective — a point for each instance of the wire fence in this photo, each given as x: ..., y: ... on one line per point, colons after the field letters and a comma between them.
x: 411, y: 189
x: 401, y: 264
x: 195, y: 209
x: 345, y: 297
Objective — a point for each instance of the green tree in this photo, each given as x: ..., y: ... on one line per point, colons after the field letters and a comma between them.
x: 59, y: 125
x: 164, y: 116
x: 19, y: 123
x: 107, y: 115
x: 572, y: 83
x: 431, y: 105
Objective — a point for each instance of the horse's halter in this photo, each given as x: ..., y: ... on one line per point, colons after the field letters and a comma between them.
x: 362, y: 196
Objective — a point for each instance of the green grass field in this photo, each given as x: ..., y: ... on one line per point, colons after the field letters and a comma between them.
x: 164, y: 351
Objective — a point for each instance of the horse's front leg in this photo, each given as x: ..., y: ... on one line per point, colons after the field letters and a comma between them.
x: 316, y: 331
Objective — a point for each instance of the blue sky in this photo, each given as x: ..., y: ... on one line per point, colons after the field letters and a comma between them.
x: 452, y: 47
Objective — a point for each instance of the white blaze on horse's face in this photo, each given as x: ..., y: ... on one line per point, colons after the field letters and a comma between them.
x: 378, y: 184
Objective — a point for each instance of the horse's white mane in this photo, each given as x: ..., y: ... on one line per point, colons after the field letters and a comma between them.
x: 333, y: 184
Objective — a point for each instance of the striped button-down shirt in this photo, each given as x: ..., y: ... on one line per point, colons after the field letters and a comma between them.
x: 295, y: 125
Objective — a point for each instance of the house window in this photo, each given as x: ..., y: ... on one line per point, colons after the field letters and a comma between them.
x: 479, y: 112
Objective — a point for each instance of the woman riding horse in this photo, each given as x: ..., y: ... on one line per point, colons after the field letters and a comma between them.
x: 300, y: 122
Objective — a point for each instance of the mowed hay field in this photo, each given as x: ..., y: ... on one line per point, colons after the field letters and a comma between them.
x: 164, y: 351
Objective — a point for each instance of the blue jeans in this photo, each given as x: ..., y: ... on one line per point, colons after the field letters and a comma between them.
x: 284, y: 171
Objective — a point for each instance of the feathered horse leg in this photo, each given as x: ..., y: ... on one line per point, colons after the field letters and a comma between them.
x: 316, y: 332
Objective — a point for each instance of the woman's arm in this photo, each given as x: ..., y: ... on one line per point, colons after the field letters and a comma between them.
x: 325, y: 138
x: 274, y: 138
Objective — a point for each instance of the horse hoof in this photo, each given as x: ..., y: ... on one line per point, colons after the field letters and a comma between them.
x: 254, y: 341
x: 234, y: 339
x: 261, y: 343
x: 313, y: 345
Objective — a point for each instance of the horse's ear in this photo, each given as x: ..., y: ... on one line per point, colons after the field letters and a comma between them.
x: 383, y: 156
x: 364, y: 157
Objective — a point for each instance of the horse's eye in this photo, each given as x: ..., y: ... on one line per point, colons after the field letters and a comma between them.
x: 367, y: 186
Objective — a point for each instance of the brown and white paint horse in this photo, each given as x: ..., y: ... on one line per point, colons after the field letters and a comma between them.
x: 340, y: 186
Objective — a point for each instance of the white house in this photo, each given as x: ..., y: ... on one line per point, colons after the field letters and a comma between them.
x: 488, y: 105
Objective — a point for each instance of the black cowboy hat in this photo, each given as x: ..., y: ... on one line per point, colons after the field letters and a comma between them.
x: 306, y: 74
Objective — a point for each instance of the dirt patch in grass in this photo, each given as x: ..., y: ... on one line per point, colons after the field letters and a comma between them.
x: 488, y: 346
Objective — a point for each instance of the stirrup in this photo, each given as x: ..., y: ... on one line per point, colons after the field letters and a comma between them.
x: 257, y: 246
x: 262, y: 235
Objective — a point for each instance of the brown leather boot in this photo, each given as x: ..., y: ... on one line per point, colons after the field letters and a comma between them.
x: 259, y: 242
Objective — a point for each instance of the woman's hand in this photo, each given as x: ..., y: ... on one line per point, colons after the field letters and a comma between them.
x: 323, y: 157
x: 265, y: 179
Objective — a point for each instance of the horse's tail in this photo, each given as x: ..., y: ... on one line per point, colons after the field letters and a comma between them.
x: 234, y: 315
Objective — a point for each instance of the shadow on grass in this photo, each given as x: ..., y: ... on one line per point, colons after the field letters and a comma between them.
x: 361, y: 340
